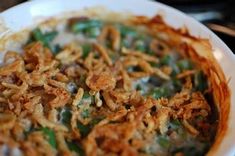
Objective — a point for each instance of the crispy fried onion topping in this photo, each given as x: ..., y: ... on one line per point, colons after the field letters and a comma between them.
x: 96, y: 100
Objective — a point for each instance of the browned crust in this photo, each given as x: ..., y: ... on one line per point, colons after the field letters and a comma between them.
x: 198, y: 49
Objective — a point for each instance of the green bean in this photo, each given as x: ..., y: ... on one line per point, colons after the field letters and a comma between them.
x: 139, y: 87
x: 163, y: 142
x: 159, y: 92
x: 190, y: 151
x: 66, y: 116
x: 155, y: 64
x: 175, y: 124
x: 127, y: 31
x: 140, y: 46
x: 200, y: 81
x: 86, y: 49
x: 86, y: 99
x: 93, y: 32
x: 89, y: 27
x: 175, y: 70
x: 45, y: 38
x: 170, y: 60
x: 73, y: 146
x: 125, y: 43
x: 85, y: 113
x: 55, y: 49
x: 96, y: 120
x: 184, y: 64
x: 177, y: 84
x: 166, y: 60
x: 83, y: 25
x: 50, y: 135
x: 86, y: 95
x: 85, y: 129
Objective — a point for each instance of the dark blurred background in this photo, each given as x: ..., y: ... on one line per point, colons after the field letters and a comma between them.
x: 218, y: 15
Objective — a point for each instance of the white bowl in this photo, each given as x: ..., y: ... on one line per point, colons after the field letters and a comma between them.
x: 25, y: 15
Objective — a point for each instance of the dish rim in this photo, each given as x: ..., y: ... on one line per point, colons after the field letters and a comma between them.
x: 227, y: 145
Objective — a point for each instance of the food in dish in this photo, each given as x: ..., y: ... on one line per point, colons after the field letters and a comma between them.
x: 94, y: 87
